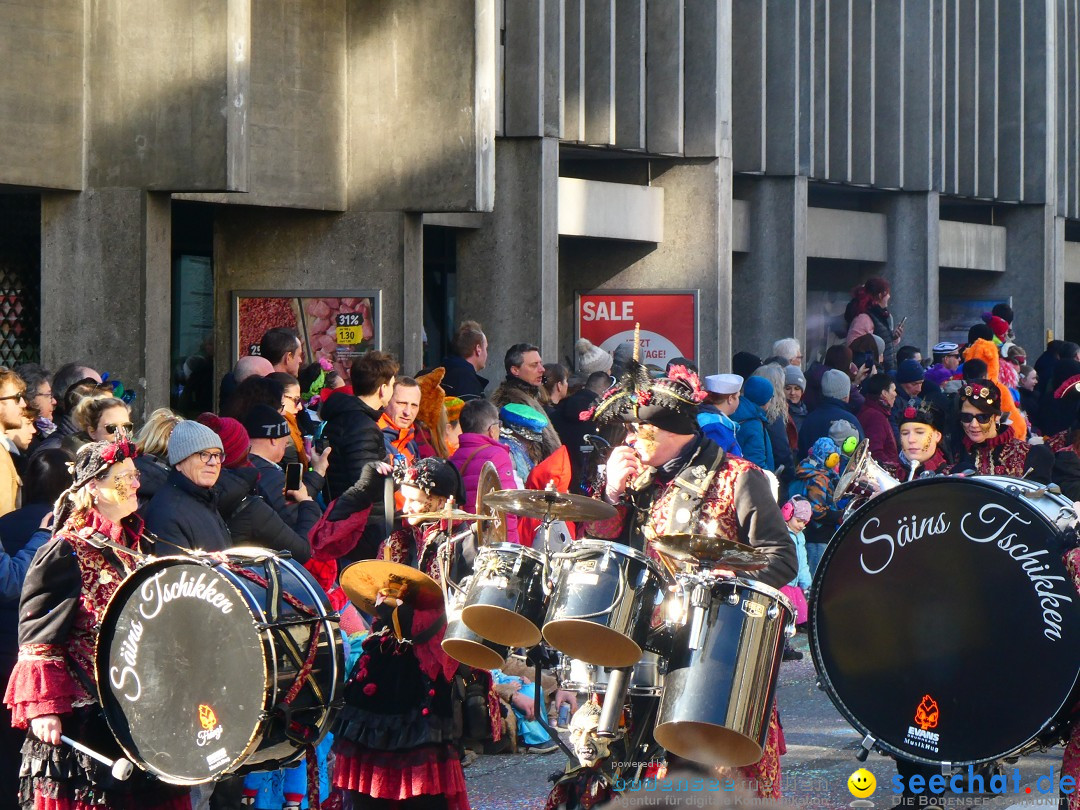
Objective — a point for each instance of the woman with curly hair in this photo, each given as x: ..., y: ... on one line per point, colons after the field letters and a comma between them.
x: 97, y: 542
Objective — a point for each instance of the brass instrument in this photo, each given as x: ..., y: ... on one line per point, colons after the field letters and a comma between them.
x: 864, y: 478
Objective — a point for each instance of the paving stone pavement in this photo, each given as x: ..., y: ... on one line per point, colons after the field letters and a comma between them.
x: 819, y: 760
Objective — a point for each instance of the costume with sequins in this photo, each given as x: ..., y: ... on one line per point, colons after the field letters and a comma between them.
x: 395, y: 738
x: 66, y: 591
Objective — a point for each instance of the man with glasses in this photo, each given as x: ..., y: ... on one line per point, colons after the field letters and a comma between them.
x: 184, y: 512
x: 946, y: 363
x: 12, y: 406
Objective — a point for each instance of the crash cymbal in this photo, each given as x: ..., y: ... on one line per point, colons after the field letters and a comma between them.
x: 542, y: 503
x: 709, y: 550
x: 363, y: 580
x: 455, y: 515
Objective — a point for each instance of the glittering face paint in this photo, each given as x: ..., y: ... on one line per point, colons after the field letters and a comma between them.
x: 417, y: 501
x: 115, y: 494
x: 918, y: 441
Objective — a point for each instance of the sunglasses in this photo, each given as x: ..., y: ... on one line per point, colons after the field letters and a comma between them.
x: 981, y: 418
x: 127, y: 427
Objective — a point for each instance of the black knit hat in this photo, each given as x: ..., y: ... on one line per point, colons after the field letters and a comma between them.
x: 926, y: 413
x: 670, y: 402
x: 263, y: 422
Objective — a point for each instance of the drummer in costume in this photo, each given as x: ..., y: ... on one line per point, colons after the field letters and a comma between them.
x: 921, y: 429
x: 52, y: 688
x: 395, y: 737
x: 991, y: 448
x: 668, y: 478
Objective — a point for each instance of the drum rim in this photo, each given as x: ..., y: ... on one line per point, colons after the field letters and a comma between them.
x: 212, y: 564
x: 827, y: 681
x: 512, y: 547
x: 762, y: 588
x: 626, y: 551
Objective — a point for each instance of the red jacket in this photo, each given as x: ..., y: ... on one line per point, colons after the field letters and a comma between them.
x: 877, y: 425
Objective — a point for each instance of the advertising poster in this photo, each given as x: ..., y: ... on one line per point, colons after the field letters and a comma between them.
x: 338, y: 325
x: 668, y: 320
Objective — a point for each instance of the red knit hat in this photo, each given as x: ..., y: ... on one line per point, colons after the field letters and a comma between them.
x: 999, y: 326
x: 233, y: 438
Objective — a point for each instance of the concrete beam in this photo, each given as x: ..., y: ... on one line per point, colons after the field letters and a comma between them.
x: 748, y: 85
x: 854, y: 235
x: 740, y: 226
x: 968, y: 246
x: 784, y: 61
x: 524, y: 69
x: 706, y: 72
x: 470, y: 221
x: 41, y: 103
x: 1071, y: 263
x: 610, y: 210
x: 600, y: 72
x: 664, y: 99
x: 402, y: 73
x: 574, y: 72
x: 912, y: 223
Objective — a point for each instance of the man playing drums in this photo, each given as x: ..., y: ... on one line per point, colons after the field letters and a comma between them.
x: 669, y: 479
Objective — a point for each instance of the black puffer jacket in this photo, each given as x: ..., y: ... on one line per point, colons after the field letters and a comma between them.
x: 153, y: 473
x: 251, y: 520
x: 184, y: 514
x: 355, y: 438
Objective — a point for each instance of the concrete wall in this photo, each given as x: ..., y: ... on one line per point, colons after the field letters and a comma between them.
x: 421, y: 93
x: 258, y: 249
x: 106, y: 297
x: 41, y: 103
x: 297, y: 107
x: 168, y: 85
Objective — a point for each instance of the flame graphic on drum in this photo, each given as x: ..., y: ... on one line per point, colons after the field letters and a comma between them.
x: 926, y: 714
x: 207, y: 718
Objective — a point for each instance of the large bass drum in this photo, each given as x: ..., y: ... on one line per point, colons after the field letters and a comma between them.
x: 210, y: 665
x: 943, y: 621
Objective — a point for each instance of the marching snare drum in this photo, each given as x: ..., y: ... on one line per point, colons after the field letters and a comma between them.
x: 505, y: 601
x: 646, y: 678
x: 210, y: 665
x: 602, y: 603
x: 721, y: 680
x: 943, y: 622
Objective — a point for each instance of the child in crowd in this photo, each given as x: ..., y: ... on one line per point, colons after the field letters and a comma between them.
x: 797, y: 513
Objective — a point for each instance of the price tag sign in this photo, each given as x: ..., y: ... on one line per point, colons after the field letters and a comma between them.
x: 349, y: 335
x: 350, y: 319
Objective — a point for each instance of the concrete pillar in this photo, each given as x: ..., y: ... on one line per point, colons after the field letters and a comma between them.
x: 769, y: 281
x: 508, y: 269
x: 106, y: 286
x: 1034, y: 274
x: 912, y: 264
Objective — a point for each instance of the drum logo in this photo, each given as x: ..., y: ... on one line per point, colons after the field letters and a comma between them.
x: 211, y: 730
x: 927, y: 715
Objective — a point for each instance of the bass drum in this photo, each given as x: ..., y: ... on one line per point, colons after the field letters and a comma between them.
x: 943, y: 622
x: 211, y: 665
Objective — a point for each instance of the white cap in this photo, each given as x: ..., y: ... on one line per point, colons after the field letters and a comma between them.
x: 723, y: 383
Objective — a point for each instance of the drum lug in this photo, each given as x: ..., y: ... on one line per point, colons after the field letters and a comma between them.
x: 773, y: 612
x: 789, y: 631
x: 604, y: 560
x: 732, y: 598
x: 868, y: 743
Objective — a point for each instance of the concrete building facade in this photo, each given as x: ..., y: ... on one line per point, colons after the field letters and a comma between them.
x: 490, y: 159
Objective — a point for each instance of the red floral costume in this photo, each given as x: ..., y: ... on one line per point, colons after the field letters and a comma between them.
x: 1007, y: 455
x: 67, y: 588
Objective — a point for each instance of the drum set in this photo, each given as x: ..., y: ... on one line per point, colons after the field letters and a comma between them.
x: 706, y: 649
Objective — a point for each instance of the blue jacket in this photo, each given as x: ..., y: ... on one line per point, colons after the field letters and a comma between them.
x: 719, y: 427
x: 818, y: 421
x: 753, y: 434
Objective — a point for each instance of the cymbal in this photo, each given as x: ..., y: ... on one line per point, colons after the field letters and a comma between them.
x: 709, y: 550
x: 542, y: 503
x: 455, y: 515
x: 363, y: 580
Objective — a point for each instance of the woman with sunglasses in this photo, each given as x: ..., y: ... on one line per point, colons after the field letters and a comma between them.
x: 97, y: 542
x: 990, y: 447
x: 100, y: 418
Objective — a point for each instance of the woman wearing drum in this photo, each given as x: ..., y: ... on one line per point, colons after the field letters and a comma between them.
x: 394, y: 737
x: 921, y: 431
x: 52, y: 688
x: 991, y: 448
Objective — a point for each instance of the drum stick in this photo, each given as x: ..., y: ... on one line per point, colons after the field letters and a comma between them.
x: 121, y: 768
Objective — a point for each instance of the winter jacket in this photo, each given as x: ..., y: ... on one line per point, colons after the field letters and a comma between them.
x: 473, y: 450
x: 252, y: 521
x: 818, y: 421
x: 398, y: 441
x: 778, y: 440
x: 939, y: 375
x: 876, y: 422
x: 21, y: 537
x: 461, y: 379
x: 718, y: 426
x: 816, y: 483
x: 153, y: 473
x: 798, y: 416
x: 514, y: 390
x: 753, y: 434
x: 186, y: 515
x: 300, y: 517
x: 354, y: 434
x: 566, y: 419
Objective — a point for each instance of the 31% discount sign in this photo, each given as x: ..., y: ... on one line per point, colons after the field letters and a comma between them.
x: 349, y: 332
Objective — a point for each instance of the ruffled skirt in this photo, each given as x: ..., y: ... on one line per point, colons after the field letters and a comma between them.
x: 432, y: 770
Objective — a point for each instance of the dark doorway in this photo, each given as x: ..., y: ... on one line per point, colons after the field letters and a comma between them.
x: 20, y: 279
x: 440, y: 292
x: 1072, y: 313
x: 192, y: 331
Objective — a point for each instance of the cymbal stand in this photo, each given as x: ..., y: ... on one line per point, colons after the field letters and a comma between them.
x: 533, y: 657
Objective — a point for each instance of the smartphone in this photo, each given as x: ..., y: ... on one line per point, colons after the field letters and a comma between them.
x: 903, y: 321
x: 294, y: 476
x: 320, y: 444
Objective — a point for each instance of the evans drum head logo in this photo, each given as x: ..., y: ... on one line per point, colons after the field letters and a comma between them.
x: 927, y: 714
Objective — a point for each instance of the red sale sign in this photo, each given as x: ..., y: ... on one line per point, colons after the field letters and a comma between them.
x: 667, y: 318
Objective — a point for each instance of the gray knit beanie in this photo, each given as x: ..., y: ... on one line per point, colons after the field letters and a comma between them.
x: 590, y: 358
x: 834, y: 383
x: 190, y: 437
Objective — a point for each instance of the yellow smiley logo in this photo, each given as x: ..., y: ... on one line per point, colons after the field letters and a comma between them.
x: 862, y: 784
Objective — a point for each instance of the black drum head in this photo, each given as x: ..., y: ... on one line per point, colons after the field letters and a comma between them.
x: 943, y: 621
x: 181, y: 671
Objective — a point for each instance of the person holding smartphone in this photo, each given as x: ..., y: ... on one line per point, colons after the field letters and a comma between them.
x: 868, y: 314
x: 289, y: 491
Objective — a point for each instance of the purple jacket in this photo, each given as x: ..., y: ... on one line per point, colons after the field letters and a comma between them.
x: 473, y: 450
x: 877, y: 425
